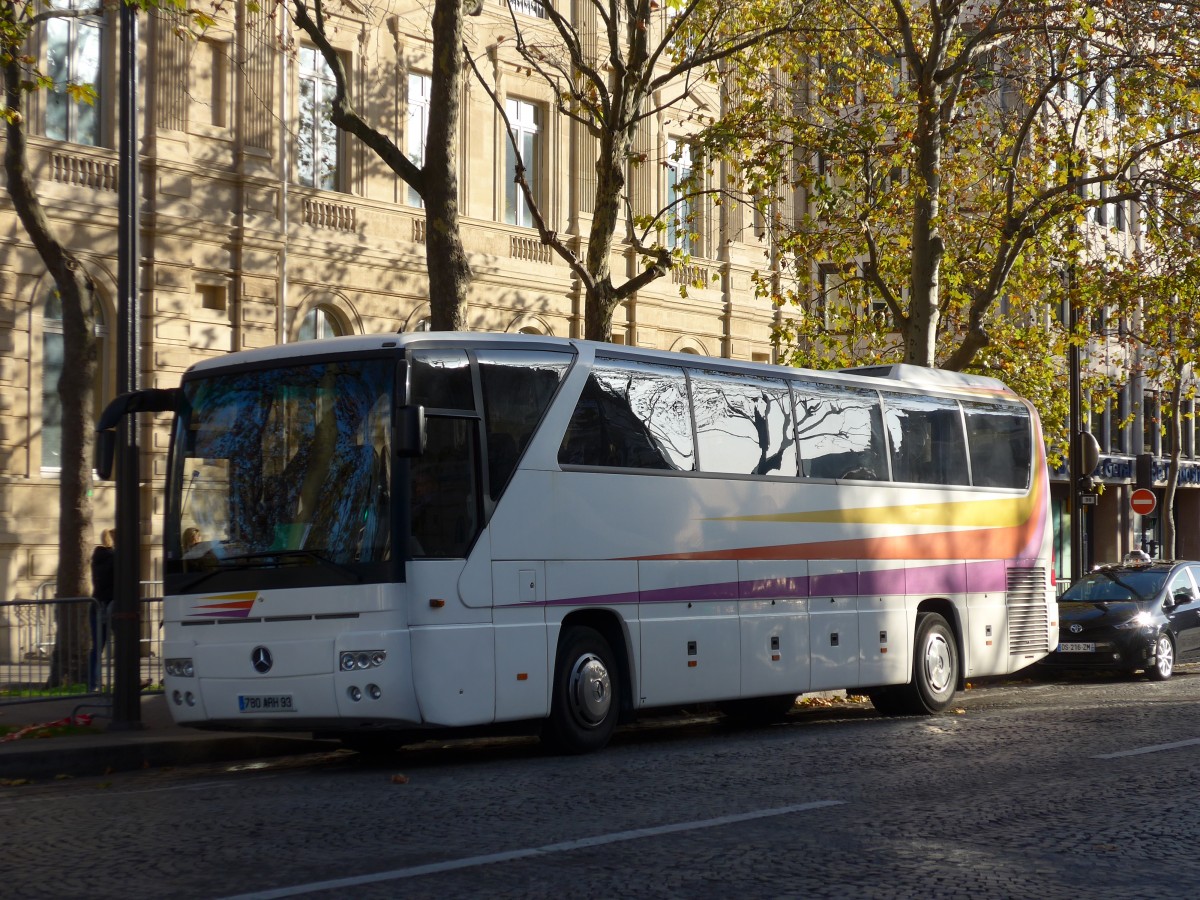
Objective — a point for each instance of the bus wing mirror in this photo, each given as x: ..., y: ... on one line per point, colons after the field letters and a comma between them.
x: 410, y: 431
x: 105, y: 452
x: 148, y: 400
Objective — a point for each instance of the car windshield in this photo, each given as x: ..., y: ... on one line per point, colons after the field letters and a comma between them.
x: 1117, y: 585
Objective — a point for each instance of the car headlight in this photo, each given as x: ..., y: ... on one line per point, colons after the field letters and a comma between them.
x: 1141, y: 620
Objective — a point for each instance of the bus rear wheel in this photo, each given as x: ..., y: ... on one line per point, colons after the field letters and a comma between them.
x: 935, y: 670
x: 586, y: 699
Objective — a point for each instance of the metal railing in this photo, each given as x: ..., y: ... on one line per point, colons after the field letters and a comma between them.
x: 48, y: 646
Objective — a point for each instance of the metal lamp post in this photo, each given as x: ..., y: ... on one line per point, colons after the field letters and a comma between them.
x: 126, y: 625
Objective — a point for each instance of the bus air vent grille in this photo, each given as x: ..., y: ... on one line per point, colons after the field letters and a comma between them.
x: 1027, y: 611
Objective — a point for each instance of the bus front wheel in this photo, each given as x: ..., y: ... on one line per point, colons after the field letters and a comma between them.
x: 935, y: 670
x: 586, y: 700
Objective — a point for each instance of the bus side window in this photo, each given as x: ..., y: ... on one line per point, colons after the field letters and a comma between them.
x: 998, y: 435
x: 631, y: 417
x: 445, y: 489
x: 926, y: 434
x: 840, y: 432
x: 743, y: 424
x: 518, y: 386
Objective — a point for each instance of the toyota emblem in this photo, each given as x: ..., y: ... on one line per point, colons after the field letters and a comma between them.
x: 260, y: 658
x: 1074, y: 629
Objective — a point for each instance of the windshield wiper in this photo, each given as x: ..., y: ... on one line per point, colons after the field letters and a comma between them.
x: 208, y: 573
x: 228, y: 563
x: 315, y: 555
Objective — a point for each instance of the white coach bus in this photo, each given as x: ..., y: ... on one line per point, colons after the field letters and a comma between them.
x: 368, y: 536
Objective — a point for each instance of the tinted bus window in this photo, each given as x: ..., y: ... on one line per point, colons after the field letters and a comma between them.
x: 839, y: 431
x: 633, y: 416
x: 1000, y: 440
x: 517, y: 388
x: 441, y: 379
x: 445, y: 494
x: 927, y: 442
x: 743, y: 425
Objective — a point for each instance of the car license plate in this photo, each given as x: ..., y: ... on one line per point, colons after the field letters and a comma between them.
x: 266, y: 703
x: 1077, y: 647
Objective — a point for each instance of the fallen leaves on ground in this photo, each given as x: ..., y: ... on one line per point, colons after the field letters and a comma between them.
x: 80, y: 724
x: 832, y: 701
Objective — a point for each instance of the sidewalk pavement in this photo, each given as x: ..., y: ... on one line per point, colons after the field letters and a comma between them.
x: 159, y: 742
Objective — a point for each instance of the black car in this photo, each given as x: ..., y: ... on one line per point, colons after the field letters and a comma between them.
x: 1138, y: 615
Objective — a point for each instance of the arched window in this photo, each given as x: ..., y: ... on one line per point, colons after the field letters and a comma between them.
x: 52, y: 367
x: 319, y: 323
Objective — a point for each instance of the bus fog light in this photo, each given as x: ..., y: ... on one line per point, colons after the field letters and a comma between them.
x: 354, y: 693
x: 351, y: 660
x: 374, y: 691
x: 177, y: 697
x: 190, y: 698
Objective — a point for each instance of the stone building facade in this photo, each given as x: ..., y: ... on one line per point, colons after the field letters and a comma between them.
x: 260, y: 224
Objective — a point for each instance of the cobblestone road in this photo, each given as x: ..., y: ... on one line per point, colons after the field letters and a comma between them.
x: 1082, y: 788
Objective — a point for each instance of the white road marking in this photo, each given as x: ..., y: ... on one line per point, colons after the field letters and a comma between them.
x: 1156, y: 748
x: 487, y: 859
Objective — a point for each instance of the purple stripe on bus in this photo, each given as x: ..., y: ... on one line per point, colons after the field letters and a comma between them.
x: 767, y: 588
x: 595, y: 600
x: 931, y: 580
x: 882, y: 581
x: 726, y: 591
x: 991, y: 575
x: 836, y: 584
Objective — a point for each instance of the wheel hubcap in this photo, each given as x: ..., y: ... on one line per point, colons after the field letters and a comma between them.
x: 938, y: 665
x: 591, y: 690
x: 1166, y: 656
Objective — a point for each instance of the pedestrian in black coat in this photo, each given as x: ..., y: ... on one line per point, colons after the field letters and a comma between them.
x: 103, y: 565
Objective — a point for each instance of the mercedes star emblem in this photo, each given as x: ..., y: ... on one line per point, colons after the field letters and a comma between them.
x: 260, y: 658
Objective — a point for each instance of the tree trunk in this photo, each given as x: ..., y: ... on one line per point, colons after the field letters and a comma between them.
x: 1176, y: 451
x: 601, y: 298
x: 77, y: 292
x: 449, y: 271
x: 599, y: 304
x: 920, y: 331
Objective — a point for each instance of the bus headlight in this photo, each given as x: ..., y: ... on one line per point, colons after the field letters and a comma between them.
x: 351, y: 660
x: 181, y: 667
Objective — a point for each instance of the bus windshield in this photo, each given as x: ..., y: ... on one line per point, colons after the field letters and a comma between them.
x: 285, y: 466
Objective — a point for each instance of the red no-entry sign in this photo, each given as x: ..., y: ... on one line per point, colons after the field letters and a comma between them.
x: 1142, y: 501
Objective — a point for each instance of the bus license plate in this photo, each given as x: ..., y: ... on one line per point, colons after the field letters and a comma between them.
x: 1077, y: 647
x: 266, y: 703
